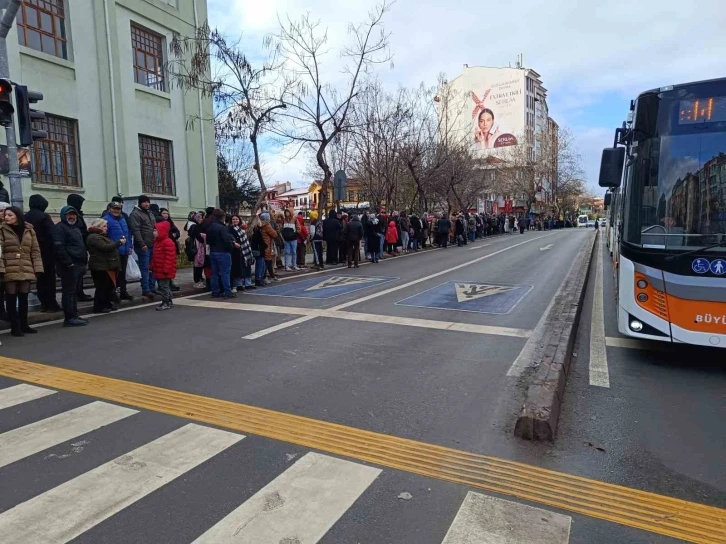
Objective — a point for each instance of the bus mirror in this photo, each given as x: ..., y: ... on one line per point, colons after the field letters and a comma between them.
x: 608, y: 199
x: 611, y: 166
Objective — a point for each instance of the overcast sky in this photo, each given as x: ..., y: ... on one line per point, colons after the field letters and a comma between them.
x: 593, y: 60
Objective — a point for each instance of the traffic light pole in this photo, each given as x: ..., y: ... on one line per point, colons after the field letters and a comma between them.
x: 16, y: 183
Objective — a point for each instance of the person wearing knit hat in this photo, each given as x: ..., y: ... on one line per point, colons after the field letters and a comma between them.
x: 142, y: 223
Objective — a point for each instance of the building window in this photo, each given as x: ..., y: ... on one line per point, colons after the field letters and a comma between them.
x: 148, y: 58
x: 157, y: 167
x: 55, y: 160
x: 351, y: 196
x: 42, y: 26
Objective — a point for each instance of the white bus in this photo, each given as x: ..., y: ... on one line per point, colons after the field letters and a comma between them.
x: 668, y: 217
x: 582, y: 221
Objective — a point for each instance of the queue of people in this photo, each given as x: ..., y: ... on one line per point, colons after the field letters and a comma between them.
x: 227, y: 255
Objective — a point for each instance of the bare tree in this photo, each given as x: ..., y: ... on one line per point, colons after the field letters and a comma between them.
x: 317, y: 111
x: 379, y: 122
x: 247, y: 97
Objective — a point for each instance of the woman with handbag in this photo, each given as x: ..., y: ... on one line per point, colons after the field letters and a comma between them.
x: 20, y: 263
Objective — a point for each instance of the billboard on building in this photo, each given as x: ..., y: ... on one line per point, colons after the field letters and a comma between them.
x: 487, y: 108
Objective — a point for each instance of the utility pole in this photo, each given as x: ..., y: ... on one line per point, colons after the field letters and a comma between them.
x: 16, y: 184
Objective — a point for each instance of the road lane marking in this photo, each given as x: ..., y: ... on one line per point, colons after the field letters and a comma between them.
x: 652, y: 512
x: 46, y: 433
x: 355, y: 316
x: 545, y: 248
x: 599, y: 373
x: 67, y: 511
x: 294, y: 322
x: 18, y: 394
x: 300, y: 505
x: 488, y: 520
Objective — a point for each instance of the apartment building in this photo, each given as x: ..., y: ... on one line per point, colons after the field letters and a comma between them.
x: 116, y: 123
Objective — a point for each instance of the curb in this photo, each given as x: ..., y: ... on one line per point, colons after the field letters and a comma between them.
x: 541, y: 408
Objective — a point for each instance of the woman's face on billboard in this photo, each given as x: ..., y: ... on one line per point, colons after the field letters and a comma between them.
x: 486, y: 121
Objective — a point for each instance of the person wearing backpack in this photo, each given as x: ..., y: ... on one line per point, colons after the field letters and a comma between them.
x: 354, y: 234
x: 290, y: 232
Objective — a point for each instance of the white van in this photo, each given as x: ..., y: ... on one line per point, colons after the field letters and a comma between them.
x: 582, y: 221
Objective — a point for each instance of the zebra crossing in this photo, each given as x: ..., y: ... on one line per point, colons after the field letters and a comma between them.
x: 298, y: 506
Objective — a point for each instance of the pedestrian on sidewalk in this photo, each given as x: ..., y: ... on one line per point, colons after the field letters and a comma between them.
x: 196, y: 251
x: 444, y: 226
x: 117, y: 229
x: 290, y: 234
x: 416, y: 228
x: 405, y: 225
x: 163, y: 263
x: 104, y: 262
x: 19, y: 265
x: 343, y: 238
x: 391, y: 237
x: 71, y: 258
x: 354, y: 234
x: 142, y: 224
x: 257, y: 244
x: 220, y: 244
x: 43, y: 225
x: 460, y: 230
x: 332, y: 229
x: 472, y: 228
x: 269, y: 236
x: 302, y: 240
x: 3, y: 314
x: 316, y: 228
x: 371, y: 233
x: 241, y: 271
x: 279, y: 248
x: 77, y: 201
x: 522, y: 224
x: 175, y: 235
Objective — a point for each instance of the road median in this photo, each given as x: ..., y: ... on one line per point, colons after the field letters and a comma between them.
x: 540, y: 411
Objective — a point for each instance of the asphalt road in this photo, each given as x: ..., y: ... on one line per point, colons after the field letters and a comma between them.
x: 414, y: 348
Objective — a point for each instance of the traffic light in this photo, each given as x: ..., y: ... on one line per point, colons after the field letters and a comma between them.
x: 6, y: 104
x: 26, y: 115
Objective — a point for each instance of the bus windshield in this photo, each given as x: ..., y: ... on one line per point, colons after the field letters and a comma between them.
x: 676, y: 178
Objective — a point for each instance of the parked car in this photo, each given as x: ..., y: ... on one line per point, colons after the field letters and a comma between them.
x: 591, y: 224
x: 603, y: 222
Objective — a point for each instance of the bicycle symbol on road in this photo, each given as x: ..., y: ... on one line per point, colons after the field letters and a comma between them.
x: 700, y: 266
x: 718, y: 267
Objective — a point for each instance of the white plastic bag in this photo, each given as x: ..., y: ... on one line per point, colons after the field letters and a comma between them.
x: 132, y: 271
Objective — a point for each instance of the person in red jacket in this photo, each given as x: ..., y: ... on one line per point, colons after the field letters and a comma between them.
x: 163, y: 263
x: 391, y: 237
x: 302, y: 241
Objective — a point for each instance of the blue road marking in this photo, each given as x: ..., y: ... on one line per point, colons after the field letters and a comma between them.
x: 462, y: 296
x: 322, y: 287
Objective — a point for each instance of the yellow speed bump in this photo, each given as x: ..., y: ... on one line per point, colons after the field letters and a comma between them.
x: 659, y: 514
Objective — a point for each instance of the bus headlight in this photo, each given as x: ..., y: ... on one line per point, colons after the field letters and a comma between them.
x: 636, y: 326
x: 642, y: 284
x: 642, y: 297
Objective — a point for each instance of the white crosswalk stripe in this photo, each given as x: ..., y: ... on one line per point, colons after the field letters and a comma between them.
x: 67, y: 511
x: 487, y: 520
x: 300, y: 505
x: 18, y: 394
x: 41, y: 435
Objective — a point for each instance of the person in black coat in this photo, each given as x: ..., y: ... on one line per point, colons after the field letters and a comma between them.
x: 43, y: 225
x: 353, y: 236
x: 444, y: 226
x: 76, y: 202
x: 332, y: 229
x: 4, y: 195
x: 374, y: 242
x: 459, y: 230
